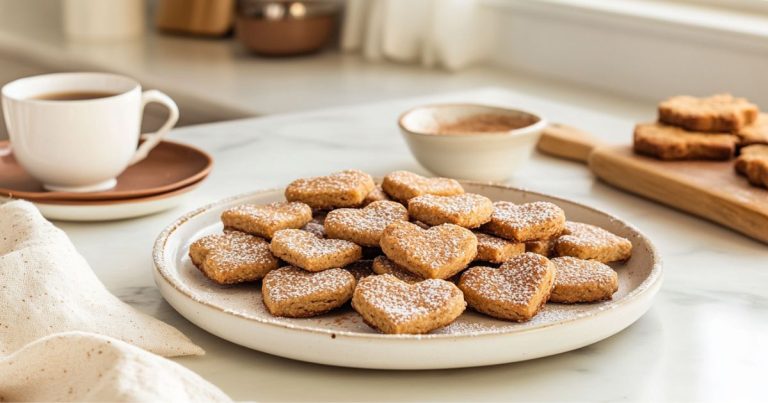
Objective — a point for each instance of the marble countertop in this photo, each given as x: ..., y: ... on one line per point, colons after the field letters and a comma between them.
x: 702, y: 340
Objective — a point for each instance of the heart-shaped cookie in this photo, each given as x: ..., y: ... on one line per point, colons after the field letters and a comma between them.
x: 515, y: 291
x: 305, y: 250
x: 587, y: 241
x: 232, y: 257
x: 437, y: 252
x: 341, y: 189
x: 395, y: 307
x: 296, y: 293
x: 265, y: 220
x: 364, y: 226
x: 578, y: 280
x: 404, y: 185
x: 525, y: 222
x: 467, y: 210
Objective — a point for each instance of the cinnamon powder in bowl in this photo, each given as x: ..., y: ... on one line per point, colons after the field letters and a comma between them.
x: 470, y: 141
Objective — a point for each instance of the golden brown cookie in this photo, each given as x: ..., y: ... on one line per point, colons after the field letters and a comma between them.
x: 515, y: 291
x: 377, y: 194
x: 467, y: 210
x: 525, y: 222
x: 578, y: 280
x: 438, y: 252
x: 496, y: 250
x: 542, y: 247
x: 404, y: 185
x: 232, y: 257
x: 395, y: 307
x: 296, y: 293
x: 587, y: 241
x: 341, y: 189
x: 305, y: 250
x: 753, y: 163
x: 360, y: 269
x: 364, y: 226
x: 756, y: 133
x: 382, y: 265
x: 673, y: 143
x: 717, y: 113
x: 265, y: 220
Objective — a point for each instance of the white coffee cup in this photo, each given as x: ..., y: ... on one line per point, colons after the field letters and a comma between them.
x: 80, y: 145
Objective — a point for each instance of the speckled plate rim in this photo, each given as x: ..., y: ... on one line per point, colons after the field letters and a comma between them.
x: 652, y: 281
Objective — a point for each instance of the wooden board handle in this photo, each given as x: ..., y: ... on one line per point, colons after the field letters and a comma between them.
x: 567, y: 142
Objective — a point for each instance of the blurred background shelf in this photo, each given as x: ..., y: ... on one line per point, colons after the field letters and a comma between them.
x: 216, y: 79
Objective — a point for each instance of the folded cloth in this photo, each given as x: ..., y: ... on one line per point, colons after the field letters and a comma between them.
x: 78, y: 366
x: 47, y: 287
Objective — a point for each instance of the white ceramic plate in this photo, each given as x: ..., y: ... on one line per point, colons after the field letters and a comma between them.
x: 237, y: 314
x: 105, y: 210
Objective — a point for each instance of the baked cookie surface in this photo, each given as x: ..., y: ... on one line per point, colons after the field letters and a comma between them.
x: 578, y: 280
x: 437, y: 252
x: 395, y: 307
x: 673, y: 143
x: 341, y: 189
x: 756, y: 133
x: 515, y: 291
x: 467, y: 210
x: 496, y: 250
x: 525, y: 222
x: 403, y: 186
x: 364, y: 226
x: 232, y: 257
x: 383, y: 265
x: 753, y: 164
x: 717, y: 113
x: 265, y: 220
x: 292, y: 292
x: 305, y: 250
x: 587, y: 241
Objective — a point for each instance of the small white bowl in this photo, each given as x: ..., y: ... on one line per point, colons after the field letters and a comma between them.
x: 483, y: 156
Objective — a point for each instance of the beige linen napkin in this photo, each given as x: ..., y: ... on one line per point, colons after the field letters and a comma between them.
x: 47, y: 287
x: 77, y: 366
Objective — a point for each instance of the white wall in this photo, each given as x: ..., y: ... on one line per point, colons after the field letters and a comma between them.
x: 633, y: 57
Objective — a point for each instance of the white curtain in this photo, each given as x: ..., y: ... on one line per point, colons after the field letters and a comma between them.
x: 436, y: 33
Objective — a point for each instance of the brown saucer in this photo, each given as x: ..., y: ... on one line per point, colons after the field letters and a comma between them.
x: 168, y: 167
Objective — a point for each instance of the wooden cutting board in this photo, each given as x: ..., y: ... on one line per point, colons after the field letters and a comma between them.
x: 710, y: 190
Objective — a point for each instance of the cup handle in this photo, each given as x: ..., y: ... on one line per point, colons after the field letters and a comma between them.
x: 151, y: 140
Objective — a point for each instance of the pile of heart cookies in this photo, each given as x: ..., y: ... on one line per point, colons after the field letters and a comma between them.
x: 410, y: 254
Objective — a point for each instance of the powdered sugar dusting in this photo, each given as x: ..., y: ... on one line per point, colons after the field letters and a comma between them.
x: 402, y: 302
x: 405, y: 185
x: 339, y: 182
x: 586, y: 235
x: 289, y: 283
x: 435, y: 247
x: 309, y: 245
x: 232, y: 250
x: 517, y: 281
x: 273, y: 213
x: 524, y: 215
x: 578, y: 272
x: 463, y: 204
x: 369, y: 221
